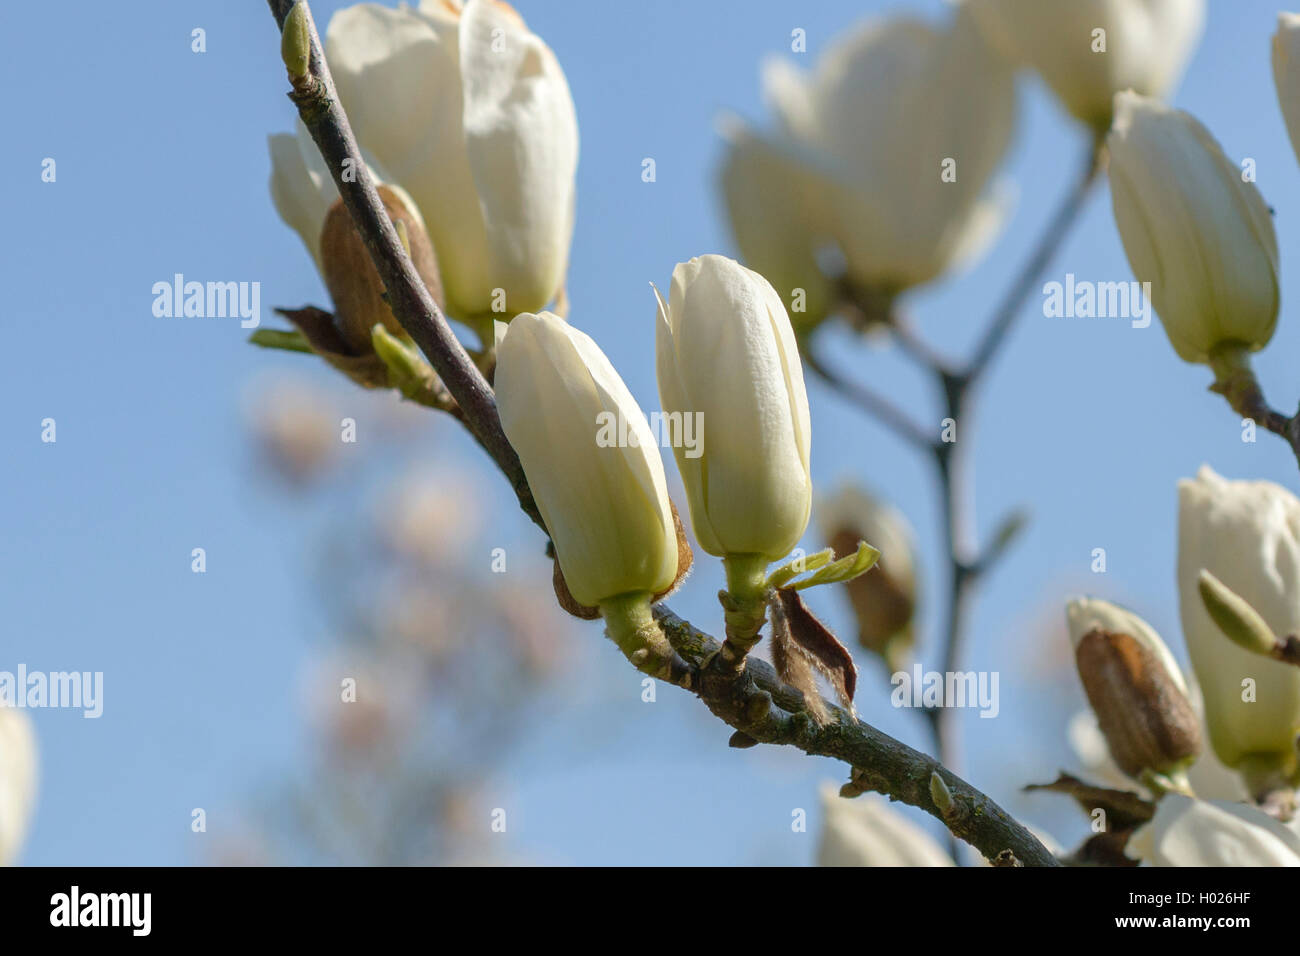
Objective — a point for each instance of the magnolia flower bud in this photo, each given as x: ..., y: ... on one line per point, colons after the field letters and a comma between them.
x: 1135, y: 688
x: 470, y: 112
x: 726, y: 352
x: 1089, y: 50
x: 1190, y: 832
x: 899, y: 130
x: 883, y: 599
x: 352, y: 279
x: 1286, y: 73
x: 17, y: 780
x: 605, y: 506
x: 1247, y: 535
x: 865, y: 832
x: 1194, y: 229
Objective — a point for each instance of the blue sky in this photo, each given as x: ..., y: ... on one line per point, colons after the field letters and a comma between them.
x: 162, y: 168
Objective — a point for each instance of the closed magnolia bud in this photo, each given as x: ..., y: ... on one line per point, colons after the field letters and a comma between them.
x: 352, y: 279
x: 1135, y: 688
x: 883, y: 599
x: 897, y: 133
x: 1190, y: 832
x: 1193, y: 228
x: 1286, y: 73
x: 726, y: 353
x: 1247, y: 535
x: 1089, y: 50
x: 468, y: 110
x: 17, y: 780
x: 866, y: 831
x: 605, y: 504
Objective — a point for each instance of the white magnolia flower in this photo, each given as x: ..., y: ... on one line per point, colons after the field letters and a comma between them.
x: 1089, y: 50
x: 470, y: 113
x: 864, y: 831
x: 1190, y: 832
x: 1247, y: 534
x: 888, y: 148
x: 605, y: 503
x: 1194, y: 228
x: 17, y: 781
x: 726, y: 351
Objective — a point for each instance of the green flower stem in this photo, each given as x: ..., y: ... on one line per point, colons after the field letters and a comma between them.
x: 744, y: 604
x: 630, y: 625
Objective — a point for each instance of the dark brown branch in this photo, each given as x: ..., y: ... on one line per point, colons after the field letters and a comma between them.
x: 753, y: 701
x: 763, y: 708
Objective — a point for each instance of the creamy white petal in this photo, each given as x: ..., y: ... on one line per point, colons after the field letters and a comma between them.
x: 1189, y: 832
x: 17, y: 781
x: 865, y: 831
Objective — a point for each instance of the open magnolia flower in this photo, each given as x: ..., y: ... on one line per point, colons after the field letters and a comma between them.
x: 469, y: 113
x: 17, y: 780
x: 1190, y: 832
x: 886, y: 150
x: 1089, y: 50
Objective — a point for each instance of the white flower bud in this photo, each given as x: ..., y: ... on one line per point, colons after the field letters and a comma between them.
x: 605, y: 504
x: 1089, y: 50
x: 1247, y: 534
x: 1189, y: 832
x: 726, y: 352
x: 1192, y: 227
x: 864, y: 831
x: 17, y: 780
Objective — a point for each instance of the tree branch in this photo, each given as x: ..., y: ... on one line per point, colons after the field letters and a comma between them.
x: 752, y: 699
x: 761, y: 706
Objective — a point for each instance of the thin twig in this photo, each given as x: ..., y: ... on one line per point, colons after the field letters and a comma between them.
x: 752, y: 701
x: 873, y: 404
x: 1027, y: 280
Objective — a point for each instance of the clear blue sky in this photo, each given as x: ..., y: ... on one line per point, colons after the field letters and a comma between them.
x: 162, y: 168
